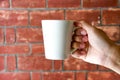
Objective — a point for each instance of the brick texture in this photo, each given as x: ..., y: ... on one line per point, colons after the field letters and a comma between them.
x: 84, y: 15
x: 58, y: 65
x: 100, y: 3
x: 80, y: 76
x: 76, y: 64
x: 14, y: 49
x: 36, y: 76
x: 22, y: 55
x: 34, y: 63
x: 10, y: 36
x: 29, y: 35
x: 15, y: 76
x: 4, y: 3
x: 1, y: 36
x: 37, y: 16
x: 103, y: 76
x: 28, y: 3
x: 55, y: 75
x: 38, y: 49
x: 13, y: 18
x: 11, y: 63
x: 111, y: 16
x: 2, y: 65
x: 64, y: 3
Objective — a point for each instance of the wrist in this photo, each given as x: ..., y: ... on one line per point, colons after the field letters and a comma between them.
x: 113, y: 60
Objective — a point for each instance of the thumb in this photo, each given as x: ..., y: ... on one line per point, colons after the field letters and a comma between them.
x: 85, y: 26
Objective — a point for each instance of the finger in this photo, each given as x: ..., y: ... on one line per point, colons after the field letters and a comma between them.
x: 85, y: 38
x: 75, y: 45
x: 77, y: 38
x: 82, y: 45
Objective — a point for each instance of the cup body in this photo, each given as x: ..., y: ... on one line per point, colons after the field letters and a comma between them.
x: 57, y: 36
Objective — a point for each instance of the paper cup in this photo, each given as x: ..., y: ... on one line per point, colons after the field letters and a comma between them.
x: 57, y: 36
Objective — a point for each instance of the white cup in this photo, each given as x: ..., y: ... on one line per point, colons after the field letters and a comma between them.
x: 57, y: 36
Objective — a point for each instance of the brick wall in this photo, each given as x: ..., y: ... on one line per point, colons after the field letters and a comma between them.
x: 21, y: 42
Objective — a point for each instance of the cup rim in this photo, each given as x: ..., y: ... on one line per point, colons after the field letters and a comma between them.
x: 57, y: 20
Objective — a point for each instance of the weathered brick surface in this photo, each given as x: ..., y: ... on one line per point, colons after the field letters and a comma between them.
x: 64, y: 3
x: 11, y: 63
x: 36, y: 76
x: 77, y: 64
x: 103, y: 76
x: 14, y: 49
x: 2, y: 64
x: 1, y: 36
x: 15, y: 76
x: 4, y: 3
x: 34, y: 63
x: 90, y: 16
x: 37, y: 49
x: 28, y: 3
x: 21, y: 39
x: 55, y: 75
x: 13, y: 18
x: 37, y: 16
x: 26, y: 35
x: 111, y: 16
x: 10, y: 36
x: 100, y: 3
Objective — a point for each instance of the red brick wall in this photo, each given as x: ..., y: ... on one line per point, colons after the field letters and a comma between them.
x: 21, y: 42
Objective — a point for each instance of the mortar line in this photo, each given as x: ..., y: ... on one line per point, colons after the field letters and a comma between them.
x: 16, y: 57
x: 86, y: 76
x: 5, y: 63
x: 46, y: 4
x: 81, y: 4
x: 10, y: 3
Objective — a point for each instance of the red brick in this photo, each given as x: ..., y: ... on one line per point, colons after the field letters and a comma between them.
x: 14, y: 49
x: 10, y: 36
x: 80, y: 76
x: 37, y: 49
x: 11, y: 63
x: 58, y: 76
x: 1, y: 63
x: 58, y: 64
x: 90, y: 16
x: 37, y: 16
x: 13, y: 18
x: 14, y: 76
x: 34, y: 63
x: 77, y: 64
x: 29, y: 35
x: 36, y: 76
x: 111, y: 16
x: 113, y: 32
x: 100, y: 3
x: 103, y: 76
x: 4, y: 3
x: 1, y: 36
x: 28, y: 3
x: 64, y: 3
x: 102, y: 68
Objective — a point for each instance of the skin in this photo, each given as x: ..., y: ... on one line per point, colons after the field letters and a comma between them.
x: 100, y: 50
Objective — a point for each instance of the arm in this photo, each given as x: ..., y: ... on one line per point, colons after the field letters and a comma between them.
x: 113, y: 62
x: 100, y: 50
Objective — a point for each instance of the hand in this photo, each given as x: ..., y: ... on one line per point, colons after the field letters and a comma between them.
x: 100, y: 50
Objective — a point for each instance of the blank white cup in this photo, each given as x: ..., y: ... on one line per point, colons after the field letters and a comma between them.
x: 57, y: 36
